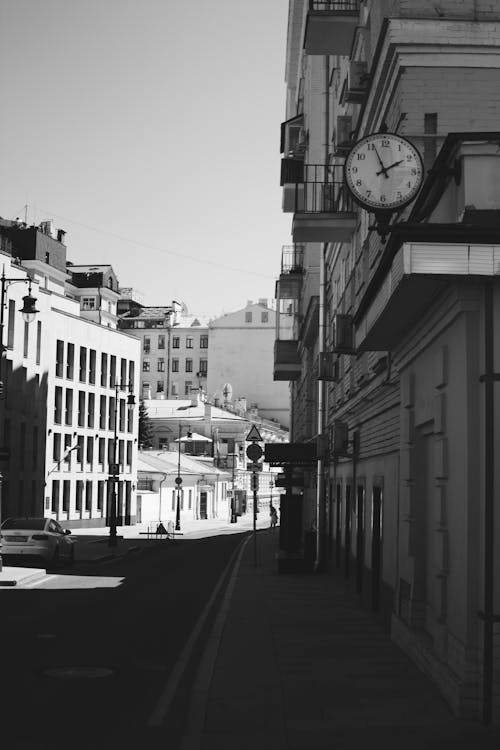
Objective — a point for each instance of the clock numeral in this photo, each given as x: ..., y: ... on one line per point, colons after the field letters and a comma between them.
x: 354, y: 170
x: 413, y: 171
x: 368, y: 193
x: 359, y: 182
x: 386, y: 143
x: 409, y: 184
x: 383, y: 199
x: 399, y: 196
x: 361, y: 157
x: 409, y: 157
x: 371, y: 147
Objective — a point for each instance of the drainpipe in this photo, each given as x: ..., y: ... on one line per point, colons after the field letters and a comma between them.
x: 488, y: 615
x: 320, y: 479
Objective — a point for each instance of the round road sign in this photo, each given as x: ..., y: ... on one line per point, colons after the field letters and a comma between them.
x: 254, y: 452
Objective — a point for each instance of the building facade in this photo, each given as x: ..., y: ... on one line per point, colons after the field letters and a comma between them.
x: 394, y: 354
x: 66, y: 382
x: 241, y: 356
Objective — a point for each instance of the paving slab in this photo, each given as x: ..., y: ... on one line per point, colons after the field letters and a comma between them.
x: 14, y: 576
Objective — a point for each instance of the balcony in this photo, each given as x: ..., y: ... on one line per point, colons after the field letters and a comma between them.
x: 330, y: 26
x: 287, y: 362
x: 292, y: 272
x: 418, y: 273
x: 323, y: 208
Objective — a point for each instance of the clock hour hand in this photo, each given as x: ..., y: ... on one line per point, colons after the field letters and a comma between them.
x: 383, y: 170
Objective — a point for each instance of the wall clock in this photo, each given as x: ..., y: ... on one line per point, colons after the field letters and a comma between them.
x: 383, y: 172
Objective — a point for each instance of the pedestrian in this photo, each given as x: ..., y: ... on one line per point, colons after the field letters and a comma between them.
x: 274, y: 516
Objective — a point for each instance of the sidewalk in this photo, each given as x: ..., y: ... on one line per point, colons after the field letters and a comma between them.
x: 301, y: 666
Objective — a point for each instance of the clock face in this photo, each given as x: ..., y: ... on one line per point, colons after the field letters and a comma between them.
x: 383, y: 171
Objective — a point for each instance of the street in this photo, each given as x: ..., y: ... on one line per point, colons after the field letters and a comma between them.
x: 89, y: 655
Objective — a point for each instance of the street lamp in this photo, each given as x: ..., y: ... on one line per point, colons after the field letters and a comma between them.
x: 178, y: 481
x: 114, y: 467
x: 28, y: 311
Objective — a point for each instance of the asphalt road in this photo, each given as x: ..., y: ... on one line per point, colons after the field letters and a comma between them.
x: 88, y: 656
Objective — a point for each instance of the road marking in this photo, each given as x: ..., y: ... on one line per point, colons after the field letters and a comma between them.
x: 172, y: 685
x: 199, y: 701
x: 38, y: 583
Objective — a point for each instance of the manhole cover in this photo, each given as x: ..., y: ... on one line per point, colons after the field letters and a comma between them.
x: 78, y: 673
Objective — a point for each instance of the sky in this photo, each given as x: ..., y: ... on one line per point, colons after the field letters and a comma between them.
x: 149, y: 131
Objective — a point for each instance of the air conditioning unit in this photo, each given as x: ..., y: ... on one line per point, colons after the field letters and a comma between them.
x: 328, y: 367
x: 340, y: 438
x: 356, y: 84
x: 343, y: 334
x: 343, y: 134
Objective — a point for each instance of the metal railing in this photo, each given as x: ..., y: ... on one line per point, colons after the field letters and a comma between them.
x: 351, y: 6
x: 292, y: 258
x: 322, y: 190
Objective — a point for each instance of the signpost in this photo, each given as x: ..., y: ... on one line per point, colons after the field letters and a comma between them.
x: 254, y: 453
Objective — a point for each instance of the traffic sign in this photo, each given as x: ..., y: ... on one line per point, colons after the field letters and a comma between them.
x: 254, y: 435
x: 254, y: 452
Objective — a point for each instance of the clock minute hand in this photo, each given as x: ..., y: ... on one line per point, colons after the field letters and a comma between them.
x: 394, y: 165
x: 383, y: 170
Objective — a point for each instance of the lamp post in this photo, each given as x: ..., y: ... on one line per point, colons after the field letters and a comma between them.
x: 114, y: 467
x: 28, y: 311
x: 178, y: 481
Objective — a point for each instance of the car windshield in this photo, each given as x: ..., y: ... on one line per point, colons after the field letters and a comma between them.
x: 24, y: 523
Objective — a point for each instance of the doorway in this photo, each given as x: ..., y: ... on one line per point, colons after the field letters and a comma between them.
x: 376, y: 546
x: 203, y: 505
x: 347, y: 531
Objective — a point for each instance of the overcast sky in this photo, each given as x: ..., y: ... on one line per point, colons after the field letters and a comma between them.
x: 149, y: 130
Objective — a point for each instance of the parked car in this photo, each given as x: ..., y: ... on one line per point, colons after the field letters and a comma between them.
x: 37, y: 537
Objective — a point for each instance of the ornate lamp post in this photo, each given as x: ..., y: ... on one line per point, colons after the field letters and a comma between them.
x: 114, y: 467
x: 28, y: 311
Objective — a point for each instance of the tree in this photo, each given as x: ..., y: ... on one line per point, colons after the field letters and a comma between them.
x: 146, y: 432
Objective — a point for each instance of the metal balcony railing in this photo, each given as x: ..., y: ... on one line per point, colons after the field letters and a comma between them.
x: 351, y: 6
x: 322, y: 190
x: 292, y: 258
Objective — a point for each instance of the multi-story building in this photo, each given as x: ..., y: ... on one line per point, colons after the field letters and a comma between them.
x: 66, y: 382
x: 174, y: 348
x: 394, y: 354
x: 240, y: 353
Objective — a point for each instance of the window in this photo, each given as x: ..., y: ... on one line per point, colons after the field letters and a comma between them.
x: 81, y: 408
x: 88, y: 303
x: 59, y: 358
x: 56, y: 447
x: 90, y: 450
x: 22, y: 444
x: 130, y: 420
x: 79, y: 494
x: 111, y: 413
x: 11, y: 326
x: 160, y: 386
x: 129, y: 455
x: 248, y: 317
x: 102, y: 451
x: 68, y: 417
x: 66, y: 492
x: 203, y: 366
x: 80, y: 451
x: 175, y: 389
x: 189, y: 365
x: 100, y: 494
x: 264, y: 317
x: 88, y: 495
x: 121, y: 454
x: 146, y: 365
x: 122, y: 414
x: 175, y: 365
x: 104, y: 369
x: 70, y: 361
x: 34, y: 447
x: 112, y: 371
x: 38, y: 340
x: 26, y: 339
x: 187, y: 387
x: 161, y: 364
x: 67, y: 451
x: 146, y: 346
x: 55, y: 496
x: 161, y: 341
x: 83, y: 364
x: 92, y: 356
x: 90, y: 410
x: 102, y: 412
x: 131, y: 372
x: 58, y: 405
x: 189, y: 342
x: 176, y: 342
x: 123, y: 371
x: 203, y: 342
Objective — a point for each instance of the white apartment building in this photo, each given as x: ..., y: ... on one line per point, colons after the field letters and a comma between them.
x: 64, y: 380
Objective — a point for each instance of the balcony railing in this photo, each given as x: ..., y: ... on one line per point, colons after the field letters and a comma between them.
x: 334, y: 5
x: 322, y: 190
x: 292, y: 259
